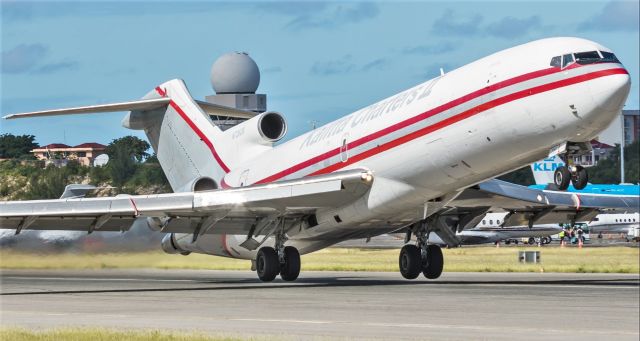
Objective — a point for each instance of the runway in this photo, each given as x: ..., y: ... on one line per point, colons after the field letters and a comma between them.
x: 349, y: 305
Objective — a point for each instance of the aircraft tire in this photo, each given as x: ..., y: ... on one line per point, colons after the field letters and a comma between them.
x: 290, y: 270
x: 410, y: 261
x: 531, y: 241
x: 435, y: 262
x: 580, y: 178
x: 267, y: 264
x: 562, y: 178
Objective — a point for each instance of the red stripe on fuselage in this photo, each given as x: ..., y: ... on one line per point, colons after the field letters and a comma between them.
x: 195, y: 128
x: 444, y: 123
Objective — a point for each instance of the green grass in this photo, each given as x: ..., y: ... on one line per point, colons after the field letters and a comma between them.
x: 98, y: 334
x: 471, y: 259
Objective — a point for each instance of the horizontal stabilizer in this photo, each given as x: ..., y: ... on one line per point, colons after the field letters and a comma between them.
x: 221, y: 110
x: 140, y: 105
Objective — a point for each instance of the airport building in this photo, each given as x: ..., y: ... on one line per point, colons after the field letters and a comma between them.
x: 60, y: 154
x: 631, y: 130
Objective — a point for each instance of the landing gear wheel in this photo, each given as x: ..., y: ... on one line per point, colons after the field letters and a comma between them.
x: 435, y: 262
x: 531, y: 241
x: 267, y: 264
x: 580, y: 178
x: 562, y: 178
x: 290, y: 269
x: 410, y: 262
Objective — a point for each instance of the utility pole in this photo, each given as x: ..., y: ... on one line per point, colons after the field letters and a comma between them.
x: 622, y: 144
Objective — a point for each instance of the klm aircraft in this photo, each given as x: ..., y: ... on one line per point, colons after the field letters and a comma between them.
x: 543, y: 172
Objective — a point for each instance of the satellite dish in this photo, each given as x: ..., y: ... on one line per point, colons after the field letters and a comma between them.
x: 101, y: 160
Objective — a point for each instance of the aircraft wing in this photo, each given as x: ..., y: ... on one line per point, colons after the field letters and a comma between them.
x: 527, y: 206
x: 138, y: 105
x: 235, y: 210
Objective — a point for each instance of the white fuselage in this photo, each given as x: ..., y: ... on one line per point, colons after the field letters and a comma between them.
x: 472, y: 124
x: 614, y: 223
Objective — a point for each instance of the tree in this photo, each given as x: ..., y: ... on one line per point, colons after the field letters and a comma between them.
x: 131, y: 145
x: 124, y: 155
x: 16, y: 146
x: 608, y: 171
x: 522, y: 176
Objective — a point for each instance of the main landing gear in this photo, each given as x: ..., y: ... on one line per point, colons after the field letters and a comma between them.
x: 423, y: 257
x: 282, y: 260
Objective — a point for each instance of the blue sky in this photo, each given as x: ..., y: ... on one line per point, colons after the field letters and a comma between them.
x: 319, y: 60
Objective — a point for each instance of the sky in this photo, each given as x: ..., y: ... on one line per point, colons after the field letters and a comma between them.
x: 318, y: 60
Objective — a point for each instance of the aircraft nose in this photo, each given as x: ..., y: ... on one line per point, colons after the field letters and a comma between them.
x: 613, y: 93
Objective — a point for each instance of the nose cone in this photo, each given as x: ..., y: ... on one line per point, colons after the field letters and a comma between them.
x: 611, y: 93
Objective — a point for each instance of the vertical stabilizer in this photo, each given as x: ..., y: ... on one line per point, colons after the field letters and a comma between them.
x: 184, y: 138
x: 543, y: 169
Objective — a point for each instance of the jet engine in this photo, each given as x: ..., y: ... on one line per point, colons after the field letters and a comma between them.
x: 263, y: 129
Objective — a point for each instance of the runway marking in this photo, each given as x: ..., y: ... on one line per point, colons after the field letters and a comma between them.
x: 433, y: 326
x: 362, y: 324
x: 97, y: 279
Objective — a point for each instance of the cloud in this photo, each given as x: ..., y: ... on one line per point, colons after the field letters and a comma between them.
x: 333, y: 67
x: 273, y: 69
x: 431, y: 49
x: 615, y: 16
x: 510, y: 27
x: 22, y: 58
x: 452, y: 25
x: 55, y: 67
x: 377, y: 64
x: 346, y: 65
x: 315, y: 15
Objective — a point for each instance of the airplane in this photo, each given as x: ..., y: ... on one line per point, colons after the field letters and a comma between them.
x: 419, y: 162
x: 543, y: 173
x: 491, y: 230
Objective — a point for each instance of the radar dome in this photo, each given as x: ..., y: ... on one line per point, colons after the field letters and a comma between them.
x: 235, y: 72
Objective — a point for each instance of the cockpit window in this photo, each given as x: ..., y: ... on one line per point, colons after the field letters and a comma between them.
x: 609, y: 57
x: 566, y: 60
x: 584, y: 58
x: 555, y: 61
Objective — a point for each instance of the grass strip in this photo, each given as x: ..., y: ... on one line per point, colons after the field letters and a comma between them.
x: 100, y: 334
x: 471, y: 259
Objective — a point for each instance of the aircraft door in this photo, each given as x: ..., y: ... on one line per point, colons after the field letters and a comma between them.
x: 344, y: 148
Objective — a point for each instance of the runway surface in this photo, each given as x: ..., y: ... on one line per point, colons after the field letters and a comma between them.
x: 347, y: 305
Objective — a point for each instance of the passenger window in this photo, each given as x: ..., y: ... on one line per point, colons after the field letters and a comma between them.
x: 555, y: 61
x: 491, y: 222
x: 590, y: 57
x: 484, y: 222
x: 498, y: 222
x: 566, y: 60
x: 609, y: 57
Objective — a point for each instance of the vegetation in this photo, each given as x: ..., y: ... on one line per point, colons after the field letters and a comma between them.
x: 522, y: 176
x: 130, y: 169
x: 17, y: 146
x: 82, y: 334
x: 608, y: 171
x: 465, y: 259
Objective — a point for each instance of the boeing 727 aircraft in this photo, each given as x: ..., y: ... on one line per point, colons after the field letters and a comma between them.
x: 419, y: 162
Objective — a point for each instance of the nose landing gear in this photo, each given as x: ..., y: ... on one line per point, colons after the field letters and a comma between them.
x: 570, y: 173
x: 577, y: 175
